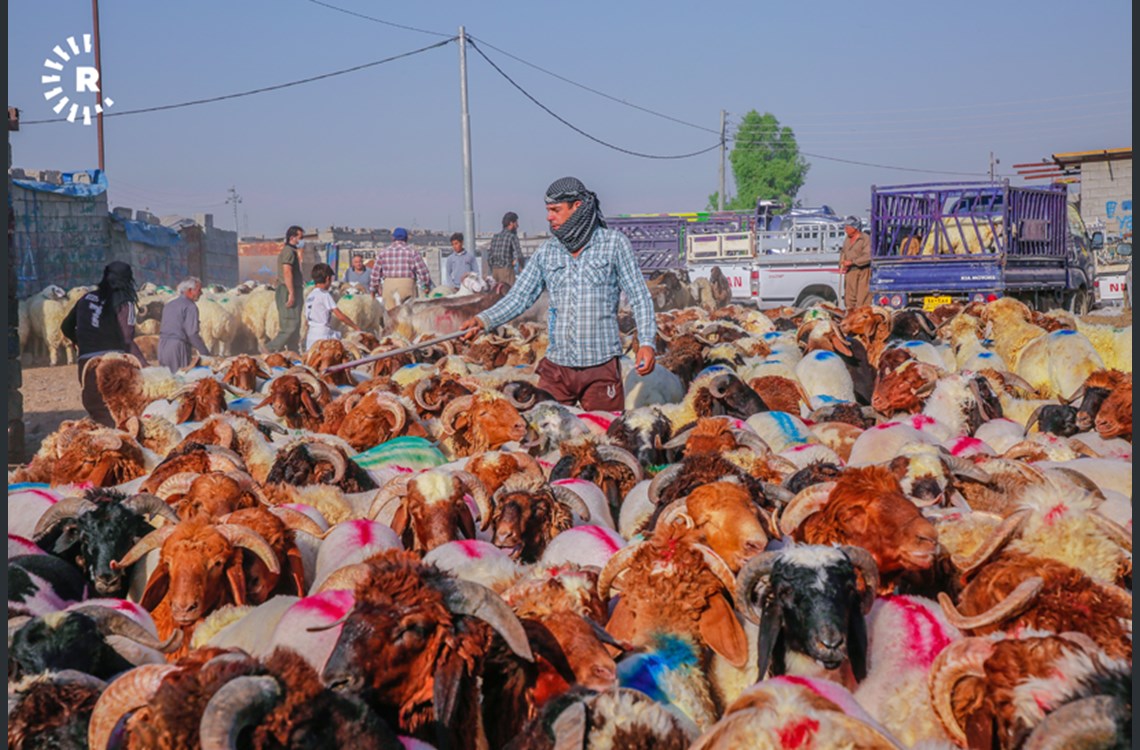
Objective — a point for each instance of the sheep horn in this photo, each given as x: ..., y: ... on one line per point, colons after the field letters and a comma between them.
x: 151, y: 505
x: 571, y: 727
x: 806, y: 502
x: 863, y: 560
x: 478, y: 491
x: 1088, y: 722
x: 248, y: 484
x: 966, y: 469
x: 220, y: 454
x: 393, y: 406
x: 994, y: 542
x: 69, y: 507
x: 243, y: 536
x: 1017, y: 380
x: 1112, y: 530
x: 1033, y: 418
x: 956, y: 662
x: 749, y: 439
x: 718, y: 386
x: 393, y: 489
x: 128, y: 692
x: 751, y: 583
x: 456, y: 407
x: 511, y: 389
x: 678, y: 510
x: 474, y: 600
x: 272, y: 426
x: 239, y: 703
x: 232, y: 389
x: 1077, y: 395
x: 176, y: 484
x: 298, y: 521
x: 325, y: 452
x: 614, y: 567
x: 112, y: 622
x: 1018, y: 600
x: 621, y: 455
x: 1078, y: 479
x: 423, y: 386
x: 571, y: 500
x: 664, y: 478
x: 153, y: 540
x: 341, y: 579
x: 777, y: 494
x: 679, y: 440
x: 1081, y: 448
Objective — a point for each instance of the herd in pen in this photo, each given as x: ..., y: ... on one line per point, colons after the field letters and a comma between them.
x: 808, y: 529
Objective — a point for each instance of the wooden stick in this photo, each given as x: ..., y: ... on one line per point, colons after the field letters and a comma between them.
x: 394, y: 352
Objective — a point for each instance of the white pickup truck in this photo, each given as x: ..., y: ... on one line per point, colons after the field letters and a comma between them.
x: 790, y: 259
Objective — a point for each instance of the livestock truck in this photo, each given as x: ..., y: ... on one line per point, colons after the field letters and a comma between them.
x: 936, y: 243
x: 770, y: 257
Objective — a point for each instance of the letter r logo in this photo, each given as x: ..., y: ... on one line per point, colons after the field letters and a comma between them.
x: 86, y: 79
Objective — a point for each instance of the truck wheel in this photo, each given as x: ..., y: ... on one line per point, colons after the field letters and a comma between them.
x: 810, y: 300
x: 1079, y: 302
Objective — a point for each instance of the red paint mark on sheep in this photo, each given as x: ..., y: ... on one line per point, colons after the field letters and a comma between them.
x: 471, y: 548
x: 600, y: 534
x: 918, y: 421
x: 798, y: 733
x: 964, y: 444
x: 925, y: 638
x: 365, y: 534
x: 330, y: 605
x: 1055, y: 513
x: 45, y: 495
x: 597, y: 419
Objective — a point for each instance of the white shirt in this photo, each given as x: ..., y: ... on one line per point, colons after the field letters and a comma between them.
x: 318, y: 313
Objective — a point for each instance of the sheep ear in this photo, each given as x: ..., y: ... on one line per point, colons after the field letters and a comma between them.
x: 296, y: 569
x: 854, y: 519
x: 67, y: 538
x: 466, y: 522
x: 450, y: 677
x: 185, y: 411
x: 620, y: 624
x: 721, y: 630
x: 236, y: 577
x: 898, y: 466
x: 545, y: 645
x: 400, y: 520
x: 857, y: 640
x: 156, y: 588
x: 771, y: 623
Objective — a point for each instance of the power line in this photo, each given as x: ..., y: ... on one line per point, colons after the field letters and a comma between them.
x: 379, y: 20
x: 262, y: 90
x: 578, y: 130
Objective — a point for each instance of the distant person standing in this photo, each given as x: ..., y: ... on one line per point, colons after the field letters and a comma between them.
x: 179, y: 336
x: 357, y: 273
x: 320, y: 308
x: 397, y: 271
x: 103, y: 321
x: 289, y: 283
x: 459, y: 263
x: 505, y: 252
x: 855, y: 264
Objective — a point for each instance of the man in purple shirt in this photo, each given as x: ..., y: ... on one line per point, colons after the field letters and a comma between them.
x: 178, y: 335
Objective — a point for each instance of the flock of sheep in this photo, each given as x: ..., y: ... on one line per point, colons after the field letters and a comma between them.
x: 808, y: 529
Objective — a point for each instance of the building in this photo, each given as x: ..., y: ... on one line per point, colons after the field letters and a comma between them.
x: 1105, y: 178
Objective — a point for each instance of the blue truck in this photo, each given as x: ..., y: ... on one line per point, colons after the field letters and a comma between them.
x: 936, y: 243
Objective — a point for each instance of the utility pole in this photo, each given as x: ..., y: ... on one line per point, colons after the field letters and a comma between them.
x: 993, y: 163
x: 235, y: 199
x: 99, y: 88
x: 465, y: 123
x: 723, y: 144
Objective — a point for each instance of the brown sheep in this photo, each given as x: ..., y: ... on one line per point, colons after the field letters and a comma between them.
x: 242, y: 372
x: 780, y: 393
x: 904, y: 389
x: 294, y: 402
x: 192, y: 458
x: 527, y: 513
x: 482, y: 422
x: 261, y: 583
x: 872, y: 326
x: 729, y: 521
x: 199, y: 401
x: 83, y: 451
x: 429, y: 509
x: 374, y: 418
x: 493, y: 468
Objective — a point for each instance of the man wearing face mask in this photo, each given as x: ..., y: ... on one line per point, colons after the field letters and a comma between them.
x: 289, y: 281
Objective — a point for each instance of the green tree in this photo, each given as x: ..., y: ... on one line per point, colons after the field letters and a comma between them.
x: 766, y: 163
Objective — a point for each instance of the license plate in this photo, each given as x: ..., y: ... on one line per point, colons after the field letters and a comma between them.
x: 931, y: 303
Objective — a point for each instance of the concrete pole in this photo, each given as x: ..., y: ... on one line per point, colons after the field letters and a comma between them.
x: 723, y: 143
x: 465, y: 121
x: 99, y: 93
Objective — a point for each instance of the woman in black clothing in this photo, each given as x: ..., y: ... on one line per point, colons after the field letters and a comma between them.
x: 104, y: 321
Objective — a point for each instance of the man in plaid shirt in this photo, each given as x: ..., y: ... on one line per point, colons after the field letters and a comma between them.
x: 505, y: 250
x: 585, y: 267
x: 397, y: 270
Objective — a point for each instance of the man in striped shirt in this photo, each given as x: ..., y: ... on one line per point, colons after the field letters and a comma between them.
x: 397, y: 270
x: 585, y: 267
x: 505, y: 251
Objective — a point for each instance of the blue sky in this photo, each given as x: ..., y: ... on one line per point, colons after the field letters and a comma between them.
x: 918, y: 86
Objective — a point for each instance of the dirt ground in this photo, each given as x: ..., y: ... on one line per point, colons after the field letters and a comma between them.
x: 51, y: 394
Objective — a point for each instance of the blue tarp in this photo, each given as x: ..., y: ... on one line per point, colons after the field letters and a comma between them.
x: 154, y: 235
x: 97, y: 186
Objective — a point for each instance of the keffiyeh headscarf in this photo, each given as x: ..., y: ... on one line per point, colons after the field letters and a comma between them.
x: 578, y: 229
x: 118, y: 285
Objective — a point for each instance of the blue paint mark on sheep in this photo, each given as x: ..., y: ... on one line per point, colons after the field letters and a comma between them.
x: 912, y: 344
x: 985, y: 355
x: 1064, y: 332
x: 822, y: 355
x: 771, y: 335
x: 28, y: 486
x: 713, y: 369
x: 788, y: 426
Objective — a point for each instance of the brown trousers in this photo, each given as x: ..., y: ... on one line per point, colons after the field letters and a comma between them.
x: 857, y: 287
x: 92, y: 399
x: 596, y: 388
x: 504, y: 275
x: 402, y: 289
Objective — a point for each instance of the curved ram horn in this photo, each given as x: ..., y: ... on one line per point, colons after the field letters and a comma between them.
x: 474, y: 600
x: 113, y: 622
x: 777, y: 494
x: 510, y: 391
x: 128, y: 692
x: 474, y: 486
x: 621, y: 455
x: 220, y: 455
x: 392, y: 405
x: 1077, y: 396
x: 1017, y: 602
x: 570, y: 499
x: 1077, y: 479
x: 663, y: 479
x: 676, y: 511
x: 324, y: 452
x: 452, y: 410
x: 863, y: 560
x: 956, y: 662
x: 966, y: 469
x: 752, y: 585
x: 395, y: 488
x: 298, y: 521
x: 242, y: 536
x: 571, y: 727
x: 1033, y: 418
x: 679, y: 440
x: 271, y: 426
x: 153, y: 540
x: 341, y: 579
x: 1088, y: 722
x: 176, y: 484
x: 806, y: 502
x: 617, y: 564
x: 1017, y: 380
x: 749, y: 439
x: 718, y: 386
x: 423, y: 387
x: 147, y: 504
x: 69, y: 507
x: 1112, y: 530
x: 994, y: 542
x: 239, y: 703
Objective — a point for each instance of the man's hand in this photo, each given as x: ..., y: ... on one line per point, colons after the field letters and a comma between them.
x: 289, y: 301
x: 473, y: 327
x: 646, y: 360
x: 844, y: 265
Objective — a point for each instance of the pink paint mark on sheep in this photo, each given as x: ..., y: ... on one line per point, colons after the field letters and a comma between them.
x: 799, y: 448
x: 330, y: 605
x: 1055, y: 513
x: 885, y: 426
x: 597, y: 419
x: 471, y: 548
x: 918, y: 421
x: 924, y: 635
x: 365, y: 534
x: 45, y: 495
x: 798, y: 733
x: 964, y: 444
x: 545, y: 465
x: 603, y: 536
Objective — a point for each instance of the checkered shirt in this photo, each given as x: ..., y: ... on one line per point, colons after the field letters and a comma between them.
x: 504, y: 250
x: 584, y: 294
x: 398, y: 261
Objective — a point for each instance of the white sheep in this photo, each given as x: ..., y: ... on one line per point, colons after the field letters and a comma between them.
x: 1058, y: 363
x: 46, y: 312
x: 362, y: 308
x: 217, y: 326
x: 658, y: 387
x: 1114, y: 345
x: 259, y: 314
x: 825, y: 378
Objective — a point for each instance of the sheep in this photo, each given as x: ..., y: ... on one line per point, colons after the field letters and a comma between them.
x: 527, y: 514
x: 429, y: 509
x: 46, y: 312
x: 613, y: 469
x: 493, y: 468
x: 588, y: 545
x: 1012, y: 331
x: 1114, y: 345
x: 409, y: 633
x: 810, y: 601
x: 85, y: 452
x: 730, y: 522
x: 1058, y: 363
x: 348, y: 543
x: 484, y: 421
x: 644, y: 433
x: 41, y: 584
x: 659, y: 387
x: 217, y: 325
x: 51, y: 710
